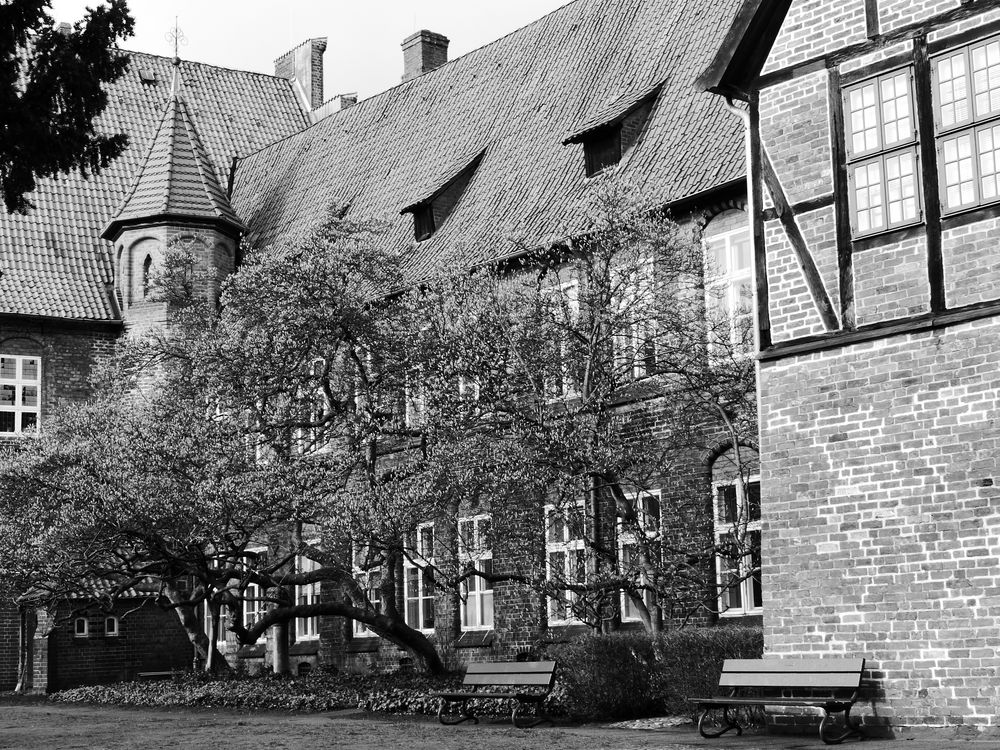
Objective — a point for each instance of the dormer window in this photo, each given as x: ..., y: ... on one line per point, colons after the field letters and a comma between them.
x: 442, y: 196
x: 609, y: 134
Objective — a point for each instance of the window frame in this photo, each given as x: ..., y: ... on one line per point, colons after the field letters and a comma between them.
x: 307, y: 628
x: 474, y: 592
x: 627, y: 539
x: 371, y: 580
x: 77, y: 633
x: 115, y: 631
x: 972, y: 125
x: 424, y: 577
x: 722, y: 527
x: 258, y: 608
x: 729, y: 282
x: 564, y: 294
x: 881, y: 153
x: 19, y: 383
x: 571, y: 548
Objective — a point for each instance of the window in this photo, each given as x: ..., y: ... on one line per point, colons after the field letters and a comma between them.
x: 605, y: 146
x: 370, y: 580
x: 20, y: 393
x: 565, y: 558
x: 220, y: 633
x: 635, y: 344
x: 111, y: 627
x: 738, y: 559
x: 81, y: 627
x: 414, y: 404
x: 423, y: 222
x: 431, y: 212
x: 729, y: 292
x: 882, y: 153
x: 305, y: 594
x: 966, y: 84
x: 647, y: 506
x: 560, y: 377
x: 418, y: 578
x: 146, y: 267
x: 475, y: 547
x: 254, y: 605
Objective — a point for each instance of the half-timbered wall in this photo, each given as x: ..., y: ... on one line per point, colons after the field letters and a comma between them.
x: 880, y: 368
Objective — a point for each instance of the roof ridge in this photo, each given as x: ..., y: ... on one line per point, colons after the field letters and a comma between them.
x: 170, y: 58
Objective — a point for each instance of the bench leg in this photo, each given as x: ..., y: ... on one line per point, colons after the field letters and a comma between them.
x: 539, y: 717
x: 851, y: 727
x: 464, y: 713
x: 728, y: 724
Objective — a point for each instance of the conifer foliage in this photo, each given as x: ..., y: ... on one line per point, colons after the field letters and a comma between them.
x: 52, y: 87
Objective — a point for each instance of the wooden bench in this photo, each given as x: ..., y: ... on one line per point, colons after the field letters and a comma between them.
x: 830, y: 684
x: 523, y: 682
x: 154, y: 675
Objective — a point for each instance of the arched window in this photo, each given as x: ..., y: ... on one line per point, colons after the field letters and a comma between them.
x: 737, y: 522
x: 146, y: 265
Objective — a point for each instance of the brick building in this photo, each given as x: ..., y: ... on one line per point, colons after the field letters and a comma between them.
x: 460, y: 159
x: 873, y: 127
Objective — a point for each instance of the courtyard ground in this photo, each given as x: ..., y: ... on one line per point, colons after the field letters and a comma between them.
x: 42, y: 725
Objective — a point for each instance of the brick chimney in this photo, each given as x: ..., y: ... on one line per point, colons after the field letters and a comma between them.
x: 423, y: 52
x: 303, y: 66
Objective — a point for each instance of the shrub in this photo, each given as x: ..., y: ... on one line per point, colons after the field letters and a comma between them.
x: 622, y: 676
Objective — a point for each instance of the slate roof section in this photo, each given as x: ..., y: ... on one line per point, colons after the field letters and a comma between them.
x: 612, y: 113
x: 177, y: 180
x: 517, y: 98
x: 53, y: 262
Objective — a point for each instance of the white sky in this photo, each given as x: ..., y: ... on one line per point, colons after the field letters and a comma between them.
x: 363, y: 53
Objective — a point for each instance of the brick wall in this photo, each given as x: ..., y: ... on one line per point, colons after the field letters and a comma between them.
x: 892, y: 14
x: 891, y: 281
x: 9, y: 629
x: 813, y: 27
x: 150, y: 639
x: 971, y: 263
x: 882, y: 515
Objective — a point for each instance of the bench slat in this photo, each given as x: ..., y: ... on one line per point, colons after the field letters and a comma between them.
x: 508, y: 667
x: 508, y: 679
x: 791, y: 680
x: 784, y: 666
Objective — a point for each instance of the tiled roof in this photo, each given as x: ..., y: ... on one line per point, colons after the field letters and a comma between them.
x: 517, y: 99
x: 177, y: 179
x: 53, y: 261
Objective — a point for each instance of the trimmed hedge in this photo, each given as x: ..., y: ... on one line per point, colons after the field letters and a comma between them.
x: 600, y: 677
x: 624, y: 676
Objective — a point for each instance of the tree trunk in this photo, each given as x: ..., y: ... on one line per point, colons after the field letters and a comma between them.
x: 195, y: 633
x: 26, y: 650
x: 279, y: 649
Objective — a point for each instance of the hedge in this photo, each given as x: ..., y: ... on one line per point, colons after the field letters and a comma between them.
x: 600, y: 677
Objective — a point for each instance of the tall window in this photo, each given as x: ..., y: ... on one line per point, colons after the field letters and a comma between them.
x: 254, y: 605
x: 647, y: 506
x: 737, y: 539
x: 560, y: 379
x: 20, y: 393
x: 220, y: 633
x: 635, y: 342
x: 370, y: 580
x: 882, y: 153
x: 147, y: 266
x: 565, y: 558
x: 418, y: 578
x: 729, y: 290
x: 475, y: 547
x: 966, y: 85
x: 305, y: 594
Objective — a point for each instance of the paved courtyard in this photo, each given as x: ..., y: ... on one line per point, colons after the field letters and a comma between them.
x: 42, y: 726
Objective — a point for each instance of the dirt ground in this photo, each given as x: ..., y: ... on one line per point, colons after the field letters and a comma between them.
x: 41, y: 725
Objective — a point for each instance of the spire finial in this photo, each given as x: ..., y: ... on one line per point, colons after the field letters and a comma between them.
x: 176, y: 36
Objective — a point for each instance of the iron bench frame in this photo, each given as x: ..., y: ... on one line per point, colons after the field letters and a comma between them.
x: 517, y: 677
x: 839, y: 679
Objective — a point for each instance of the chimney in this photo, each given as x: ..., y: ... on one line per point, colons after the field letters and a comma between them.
x: 64, y: 28
x: 303, y: 66
x: 423, y: 52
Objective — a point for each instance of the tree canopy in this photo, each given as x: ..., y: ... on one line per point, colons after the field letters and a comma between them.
x: 52, y: 89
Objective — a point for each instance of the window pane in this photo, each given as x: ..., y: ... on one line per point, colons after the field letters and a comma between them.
x: 29, y: 369
x: 864, y: 118
x: 7, y: 395
x: 897, y: 118
x: 868, y: 197
x: 487, y: 616
x: 989, y: 157
x: 29, y: 395
x: 901, y: 187
x: 29, y: 421
x: 953, y: 93
x: 959, y: 173
x: 555, y: 531
x: 986, y: 78
x: 741, y: 251
x: 8, y: 368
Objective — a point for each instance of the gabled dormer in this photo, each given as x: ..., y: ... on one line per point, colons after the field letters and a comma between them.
x: 609, y: 133
x: 441, y: 196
